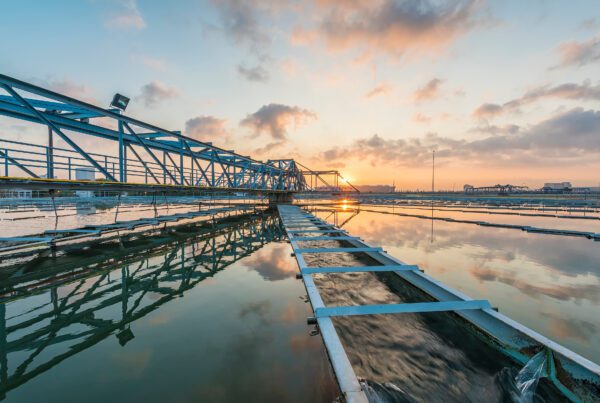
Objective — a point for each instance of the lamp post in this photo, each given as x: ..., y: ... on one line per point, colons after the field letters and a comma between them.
x: 433, y: 171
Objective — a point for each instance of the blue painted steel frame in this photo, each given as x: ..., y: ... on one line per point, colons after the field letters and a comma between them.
x: 214, y: 167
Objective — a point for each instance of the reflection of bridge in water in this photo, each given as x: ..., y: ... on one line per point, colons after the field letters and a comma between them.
x: 82, y: 293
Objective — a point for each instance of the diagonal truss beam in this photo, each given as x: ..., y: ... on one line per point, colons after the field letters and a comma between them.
x: 59, y: 132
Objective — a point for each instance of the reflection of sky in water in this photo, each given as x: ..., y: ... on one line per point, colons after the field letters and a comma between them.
x: 234, y: 337
x: 541, y: 222
x: 549, y: 283
x: 28, y: 220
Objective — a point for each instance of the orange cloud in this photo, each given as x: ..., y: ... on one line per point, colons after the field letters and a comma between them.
x: 429, y: 91
x: 382, y: 89
x: 206, y: 128
x: 579, y: 53
x: 581, y: 92
x: 275, y: 119
x: 393, y: 27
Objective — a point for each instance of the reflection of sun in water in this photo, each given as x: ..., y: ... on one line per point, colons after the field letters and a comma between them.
x: 344, y: 204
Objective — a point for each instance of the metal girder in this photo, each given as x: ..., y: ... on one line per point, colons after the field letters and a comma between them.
x: 337, y: 250
x: 60, y: 112
x: 143, y: 163
x: 59, y: 132
x: 154, y: 157
x: 358, y: 269
x: 415, y: 307
x: 17, y: 163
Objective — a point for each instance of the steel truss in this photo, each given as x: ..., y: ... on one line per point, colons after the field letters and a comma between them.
x: 146, y: 153
x: 326, y: 181
x: 64, y: 326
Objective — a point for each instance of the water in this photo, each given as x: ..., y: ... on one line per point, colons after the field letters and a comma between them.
x: 203, y: 315
x: 37, y: 215
x: 549, y: 283
x: 215, y: 314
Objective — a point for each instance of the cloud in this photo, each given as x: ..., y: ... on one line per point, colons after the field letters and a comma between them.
x: 240, y: 22
x: 495, y: 130
x: 571, y: 328
x: 272, y: 263
x: 129, y: 17
x: 591, y: 24
x: 70, y: 88
x: 569, y: 136
x: 579, y: 53
x: 257, y: 73
x: 382, y: 89
x: 275, y: 119
x: 207, y: 128
x: 155, y: 92
x: 393, y: 26
x: 561, y: 292
x: 429, y: 91
x: 488, y: 111
x: 582, y: 92
x: 420, y: 118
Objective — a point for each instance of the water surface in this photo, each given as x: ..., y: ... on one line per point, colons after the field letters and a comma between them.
x: 203, y: 315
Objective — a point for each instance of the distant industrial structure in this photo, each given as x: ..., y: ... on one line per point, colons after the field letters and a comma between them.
x: 549, y: 187
x: 500, y: 189
x: 557, y: 187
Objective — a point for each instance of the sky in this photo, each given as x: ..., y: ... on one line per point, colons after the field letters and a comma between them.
x: 503, y: 91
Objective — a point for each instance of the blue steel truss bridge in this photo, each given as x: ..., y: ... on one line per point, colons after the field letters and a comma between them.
x: 137, y: 156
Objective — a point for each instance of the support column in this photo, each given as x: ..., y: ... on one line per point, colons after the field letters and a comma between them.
x: 50, y: 155
x: 121, y: 151
x: 280, y: 198
x: 181, y: 181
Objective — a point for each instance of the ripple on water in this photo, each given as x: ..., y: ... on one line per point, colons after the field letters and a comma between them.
x: 413, y: 357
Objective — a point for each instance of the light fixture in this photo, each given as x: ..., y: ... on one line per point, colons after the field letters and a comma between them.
x: 120, y: 102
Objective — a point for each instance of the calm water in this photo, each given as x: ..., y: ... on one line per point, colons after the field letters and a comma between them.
x: 206, y: 315
x: 20, y: 219
x: 216, y: 314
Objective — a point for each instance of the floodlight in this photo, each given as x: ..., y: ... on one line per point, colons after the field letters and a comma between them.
x: 120, y: 102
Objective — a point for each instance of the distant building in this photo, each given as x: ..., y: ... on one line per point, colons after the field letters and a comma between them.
x: 499, y: 189
x: 557, y: 187
x: 591, y: 189
x: 85, y: 174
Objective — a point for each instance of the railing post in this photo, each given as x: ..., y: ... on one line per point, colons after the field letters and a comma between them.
x: 181, y: 162
x: 212, y: 168
x: 121, y: 171
x: 50, y: 155
x: 5, y: 162
x: 69, y: 162
x: 192, y: 172
x: 124, y: 161
x: 235, y: 173
x: 165, y: 168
